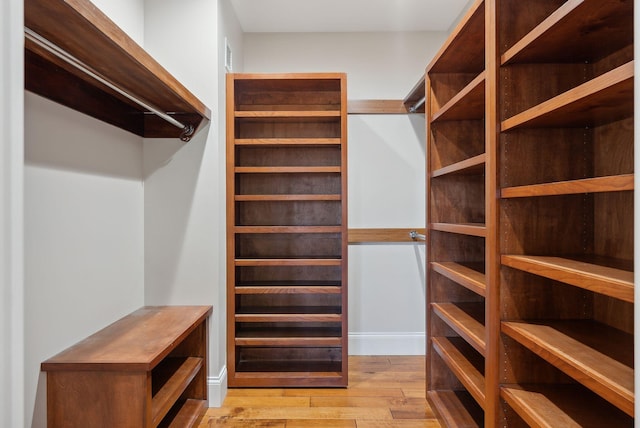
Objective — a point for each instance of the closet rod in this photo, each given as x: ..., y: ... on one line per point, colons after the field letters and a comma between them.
x: 187, y: 130
x: 417, y: 105
x: 415, y: 235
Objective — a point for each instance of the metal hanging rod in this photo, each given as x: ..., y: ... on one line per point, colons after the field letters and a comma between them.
x: 187, y: 130
x: 417, y: 105
x: 415, y: 236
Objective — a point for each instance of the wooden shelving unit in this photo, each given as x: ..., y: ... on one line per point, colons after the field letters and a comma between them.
x: 287, y: 230
x: 147, y: 369
x: 92, y: 39
x: 530, y: 187
x: 456, y: 227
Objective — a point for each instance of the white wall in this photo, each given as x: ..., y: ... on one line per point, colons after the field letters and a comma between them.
x: 386, y: 171
x: 11, y: 223
x: 184, y: 184
x: 127, y: 14
x: 83, y: 222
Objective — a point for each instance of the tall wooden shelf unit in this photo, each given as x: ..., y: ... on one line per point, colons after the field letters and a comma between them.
x: 530, y: 216
x: 287, y: 229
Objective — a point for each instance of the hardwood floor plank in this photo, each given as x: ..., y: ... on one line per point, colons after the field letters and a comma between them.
x: 383, y: 391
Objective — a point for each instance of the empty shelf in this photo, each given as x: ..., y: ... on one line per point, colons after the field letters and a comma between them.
x: 578, y: 349
x: 569, y: 406
x: 285, y: 198
x: 266, y: 289
x: 456, y: 408
x: 286, y: 169
x: 288, y: 142
x: 288, y: 262
x: 467, y: 277
x: 463, y: 319
x: 604, y: 99
x: 287, y: 229
x: 615, y: 183
x: 464, y: 370
x: 164, y: 399
x: 599, y: 279
x: 468, y: 104
x: 291, y: 113
x: 473, y: 229
x: 474, y: 165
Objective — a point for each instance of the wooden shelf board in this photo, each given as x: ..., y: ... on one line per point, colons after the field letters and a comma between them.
x: 471, y: 166
x: 288, y: 341
x: 190, y: 414
x: 287, y: 142
x: 466, y: 372
x: 91, y: 37
x: 290, y: 374
x: 383, y: 235
x: 285, y: 198
x: 604, y: 99
x: 463, y: 275
x: 287, y: 229
x: 282, y: 310
x: 252, y: 331
x: 567, y: 34
x: 301, y: 317
x: 463, y: 51
x: 473, y: 229
x: 615, y: 183
x: 288, y: 114
x: 287, y: 169
x: 463, y: 319
x: 164, y: 399
x: 569, y: 406
x: 288, y: 290
x: 288, y: 262
x: 468, y: 104
x: 117, y: 346
x: 453, y: 409
x: 586, y: 359
x: 376, y: 107
x: 604, y: 280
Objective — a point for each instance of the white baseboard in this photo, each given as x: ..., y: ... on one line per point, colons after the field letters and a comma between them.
x: 403, y: 343
x: 217, y: 386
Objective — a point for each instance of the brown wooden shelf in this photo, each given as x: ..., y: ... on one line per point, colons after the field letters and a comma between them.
x: 593, y: 354
x: 286, y: 169
x: 463, y: 275
x: 287, y: 229
x: 600, y: 279
x: 604, y: 99
x: 568, y: 406
x: 568, y: 33
x: 164, y: 399
x: 456, y: 409
x: 92, y: 38
x: 283, y: 317
x: 288, y: 341
x: 614, y: 183
x: 189, y: 414
x: 471, y: 166
x: 288, y: 114
x: 288, y: 262
x: 286, y: 197
x: 464, y: 319
x: 359, y: 235
x: 296, y: 289
x: 472, y: 229
x: 288, y: 142
x: 464, y: 370
x: 463, y: 51
x: 468, y: 104
x: 286, y: 310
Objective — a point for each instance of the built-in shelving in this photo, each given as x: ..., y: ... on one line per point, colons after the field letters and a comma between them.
x: 147, y: 369
x: 530, y: 214
x: 286, y: 233
x: 90, y: 38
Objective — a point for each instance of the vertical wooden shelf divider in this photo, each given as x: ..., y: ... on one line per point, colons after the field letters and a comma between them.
x: 287, y: 230
x: 530, y: 216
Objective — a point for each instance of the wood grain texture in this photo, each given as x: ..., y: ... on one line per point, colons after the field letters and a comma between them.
x: 91, y: 37
x: 361, y: 235
x: 617, y: 183
x: 467, y: 277
x: 377, y: 107
x: 608, y: 377
x: 466, y: 319
x: 383, y: 392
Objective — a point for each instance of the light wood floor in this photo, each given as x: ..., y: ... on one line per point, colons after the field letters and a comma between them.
x: 382, y: 392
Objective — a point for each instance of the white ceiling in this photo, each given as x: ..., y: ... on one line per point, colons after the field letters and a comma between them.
x: 260, y: 16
